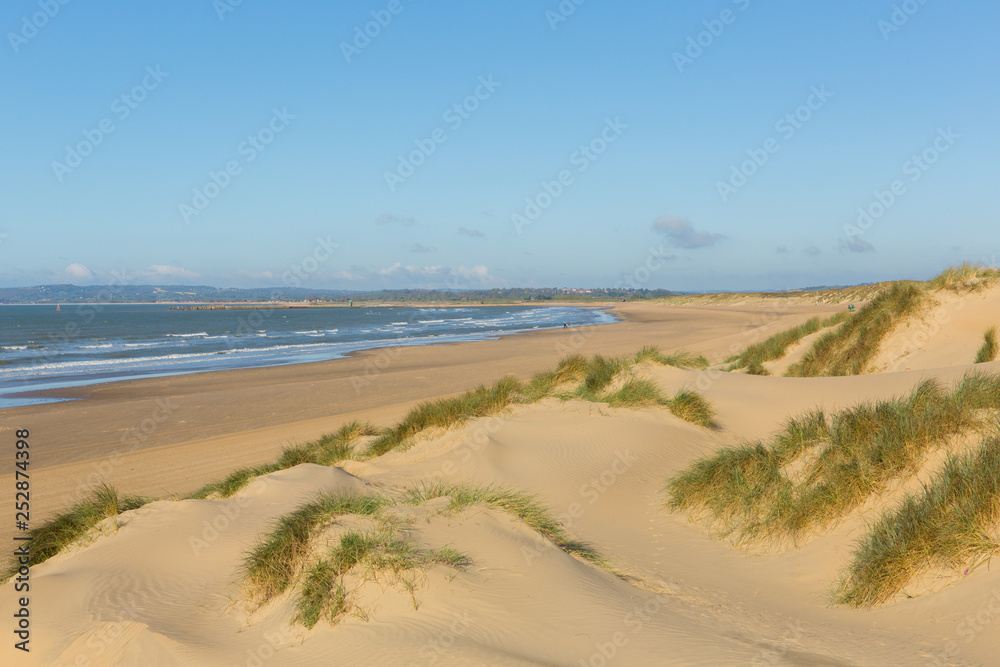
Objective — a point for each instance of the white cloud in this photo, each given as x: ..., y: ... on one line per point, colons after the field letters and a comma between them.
x: 442, y: 277
x: 856, y: 245
x: 258, y: 276
x: 389, y: 218
x: 474, y: 233
x: 347, y: 275
x: 681, y: 233
x: 168, y: 271
x: 398, y: 269
x: 479, y: 272
x: 78, y: 271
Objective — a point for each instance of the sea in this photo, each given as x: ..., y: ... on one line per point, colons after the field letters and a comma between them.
x: 42, y: 347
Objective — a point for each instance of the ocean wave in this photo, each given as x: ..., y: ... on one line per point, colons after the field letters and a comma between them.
x: 189, y: 354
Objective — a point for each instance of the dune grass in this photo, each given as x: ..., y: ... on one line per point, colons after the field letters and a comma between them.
x: 569, y: 369
x: 692, y: 407
x: 70, y: 525
x: 601, y: 371
x: 775, y: 347
x: 948, y: 525
x: 988, y: 352
x: 327, y: 450
x: 752, y: 494
x: 525, y: 506
x: 592, y: 375
x: 323, y: 593
x: 482, y: 401
x: 271, y: 564
x: 598, y: 372
x: 848, y: 349
x: 680, y: 359
x: 278, y: 559
x: 636, y: 393
x: 686, y: 404
x: 967, y: 277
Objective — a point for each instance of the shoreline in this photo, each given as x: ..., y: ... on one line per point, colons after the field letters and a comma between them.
x: 69, y: 385
x: 324, y: 304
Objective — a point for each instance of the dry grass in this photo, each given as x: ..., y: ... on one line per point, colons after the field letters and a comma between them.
x: 988, y: 352
x: 948, y: 525
x: 327, y: 450
x: 324, y: 593
x: 967, y: 277
x: 680, y: 359
x: 68, y: 526
x: 692, y: 407
x: 482, y: 401
x: 747, y: 494
x: 525, y: 506
x: 777, y: 345
x: 848, y: 349
x: 271, y: 564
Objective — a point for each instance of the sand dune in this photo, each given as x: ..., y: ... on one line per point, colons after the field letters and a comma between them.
x: 163, y: 587
x: 947, y: 334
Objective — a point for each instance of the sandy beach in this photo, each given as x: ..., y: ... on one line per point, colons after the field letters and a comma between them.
x: 162, y: 587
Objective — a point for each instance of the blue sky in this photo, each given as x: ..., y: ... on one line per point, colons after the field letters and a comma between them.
x: 692, y: 146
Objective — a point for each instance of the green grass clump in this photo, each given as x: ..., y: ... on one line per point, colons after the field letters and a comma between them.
x: 680, y: 359
x: 692, y: 407
x: 967, y: 277
x: 593, y: 376
x: 323, y: 594
x: 601, y: 371
x: 988, y: 352
x: 948, y: 525
x: 327, y: 450
x: 777, y: 345
x: 70, y: 525
x: 446, y: 412
x: 749, y: 493
x: 569, y: 369
x: 730, y: 485
x: 848, y: 349
x: 234, y: 482
x: 523, y: 505
x: 572, y: 367
x: 272, y: 563
x: 636, y: 393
